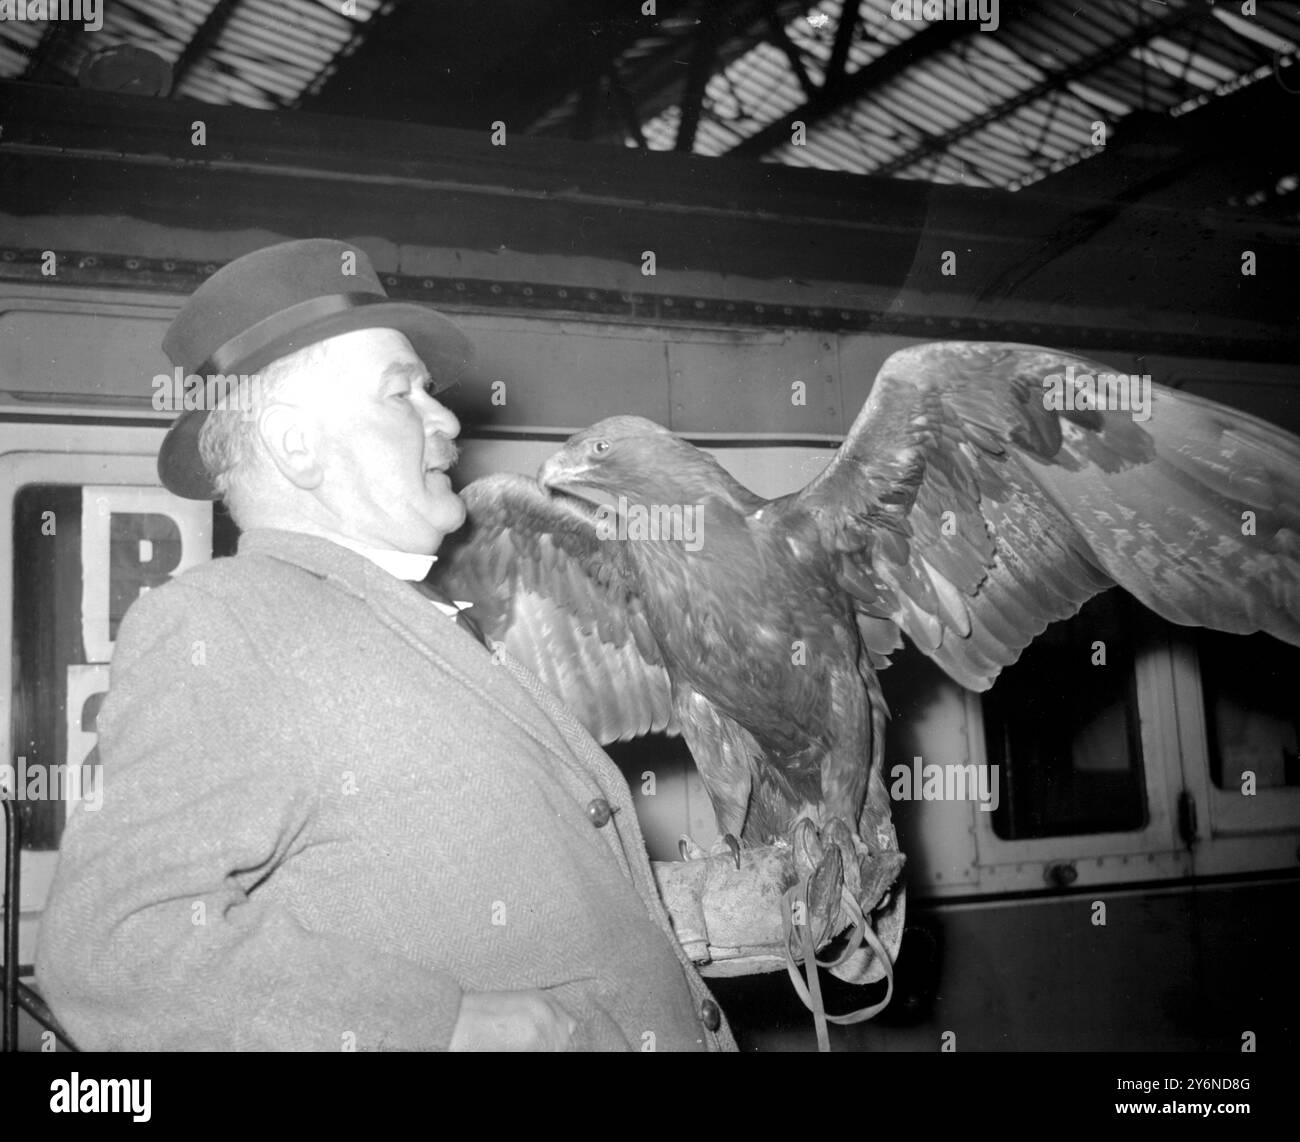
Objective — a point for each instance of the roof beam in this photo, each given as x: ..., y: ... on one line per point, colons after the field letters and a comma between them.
x: 853, y: 87
x: 698, y: 72
x: 58, y: 35
x: 933, y: 144
x: 779, y: 36
x: 839, y: 58
x: 205, y: 36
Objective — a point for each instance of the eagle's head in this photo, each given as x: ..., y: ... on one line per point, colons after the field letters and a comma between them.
x: 642, y: 462
x: 620, y: 455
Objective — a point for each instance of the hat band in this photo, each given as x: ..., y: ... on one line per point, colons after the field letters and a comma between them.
x: 267, y: 332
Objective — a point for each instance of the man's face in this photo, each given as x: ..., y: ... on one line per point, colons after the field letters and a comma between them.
x: 383, y: 443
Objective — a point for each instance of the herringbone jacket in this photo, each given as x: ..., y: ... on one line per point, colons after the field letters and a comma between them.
x: 327, y: 812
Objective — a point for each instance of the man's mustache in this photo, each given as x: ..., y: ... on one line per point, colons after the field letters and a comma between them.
x: 442, y: 452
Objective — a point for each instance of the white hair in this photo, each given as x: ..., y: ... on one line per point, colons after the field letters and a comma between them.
x: 230, y: 445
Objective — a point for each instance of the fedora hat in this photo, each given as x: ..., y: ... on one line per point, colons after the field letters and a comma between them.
x: 273, y: 302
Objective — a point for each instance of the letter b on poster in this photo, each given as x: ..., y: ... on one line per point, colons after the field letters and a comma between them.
x: 133, y: 539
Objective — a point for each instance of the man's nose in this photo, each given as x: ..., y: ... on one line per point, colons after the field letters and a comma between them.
x: 439, y: 418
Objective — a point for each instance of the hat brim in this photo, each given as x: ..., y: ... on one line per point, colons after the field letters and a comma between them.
x: 438, y: 342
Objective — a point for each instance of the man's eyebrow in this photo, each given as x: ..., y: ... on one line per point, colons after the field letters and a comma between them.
x: 406, y: 370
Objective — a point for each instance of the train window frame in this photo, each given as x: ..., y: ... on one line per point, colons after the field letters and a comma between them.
x: 1151, y: 852
x: 22, y: 468
x: 1234, y: 833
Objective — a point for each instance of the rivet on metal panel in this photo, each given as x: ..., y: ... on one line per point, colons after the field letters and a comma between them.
x: 1061, y: 874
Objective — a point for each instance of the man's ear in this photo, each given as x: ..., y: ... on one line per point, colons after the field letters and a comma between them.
x: 288, y: 435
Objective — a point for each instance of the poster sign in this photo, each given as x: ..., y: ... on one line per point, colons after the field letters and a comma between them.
x: 133, y: 539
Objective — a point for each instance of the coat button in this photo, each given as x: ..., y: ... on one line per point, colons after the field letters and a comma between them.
x: 710, y: 1015
x: 599, y: 811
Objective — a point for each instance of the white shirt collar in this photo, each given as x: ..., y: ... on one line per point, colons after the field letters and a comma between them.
x: 399, y: 564
x: 403, y: 565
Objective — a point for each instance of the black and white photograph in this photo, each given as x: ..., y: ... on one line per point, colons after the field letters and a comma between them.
x: 650, y: 526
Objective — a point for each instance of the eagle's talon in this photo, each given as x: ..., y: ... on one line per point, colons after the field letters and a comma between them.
x: 824, y: 894
x: 837, y: 833
x: 689, y: 850
x: 734, y: 846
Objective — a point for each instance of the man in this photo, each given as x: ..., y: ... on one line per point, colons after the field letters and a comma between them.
x: 332, y: 819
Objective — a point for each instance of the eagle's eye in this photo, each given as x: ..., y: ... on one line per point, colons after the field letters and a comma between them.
x: 600, y: 447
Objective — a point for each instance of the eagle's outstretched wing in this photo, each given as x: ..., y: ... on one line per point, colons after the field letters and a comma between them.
x: 562, y: 602
x: 964, y: 511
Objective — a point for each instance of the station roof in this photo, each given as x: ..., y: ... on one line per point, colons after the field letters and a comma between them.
x: 1167, y: 101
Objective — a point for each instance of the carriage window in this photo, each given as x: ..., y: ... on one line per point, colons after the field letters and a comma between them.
x: 1252, y: 720
x: 1061, y: 724
x: 82, y: 556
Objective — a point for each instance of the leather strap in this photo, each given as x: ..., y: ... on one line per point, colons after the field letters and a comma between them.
x: 810, y: 992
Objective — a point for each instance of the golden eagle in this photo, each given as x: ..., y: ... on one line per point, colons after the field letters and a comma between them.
x: 984, y: 491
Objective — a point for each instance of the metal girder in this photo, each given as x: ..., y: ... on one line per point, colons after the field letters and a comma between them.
x: 204, y: 37
x: 697, y: 78
x: 1129, y: 181
x: 934, y: 144
x: 851, y: 88
x: 839, y: 57
x: 781, y: 38
x: 40, y: 65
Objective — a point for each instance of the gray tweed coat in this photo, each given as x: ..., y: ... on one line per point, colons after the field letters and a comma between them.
x: 327, y: 812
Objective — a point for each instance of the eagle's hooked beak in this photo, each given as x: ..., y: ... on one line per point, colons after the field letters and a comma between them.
x: 570, y: 476
x: 561, y: 472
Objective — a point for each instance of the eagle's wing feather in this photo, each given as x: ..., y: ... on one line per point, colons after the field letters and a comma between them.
x: 563, y: 603
x: 968, y: 514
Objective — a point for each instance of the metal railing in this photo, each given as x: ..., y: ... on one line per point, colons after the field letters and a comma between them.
x: 16, y: 993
